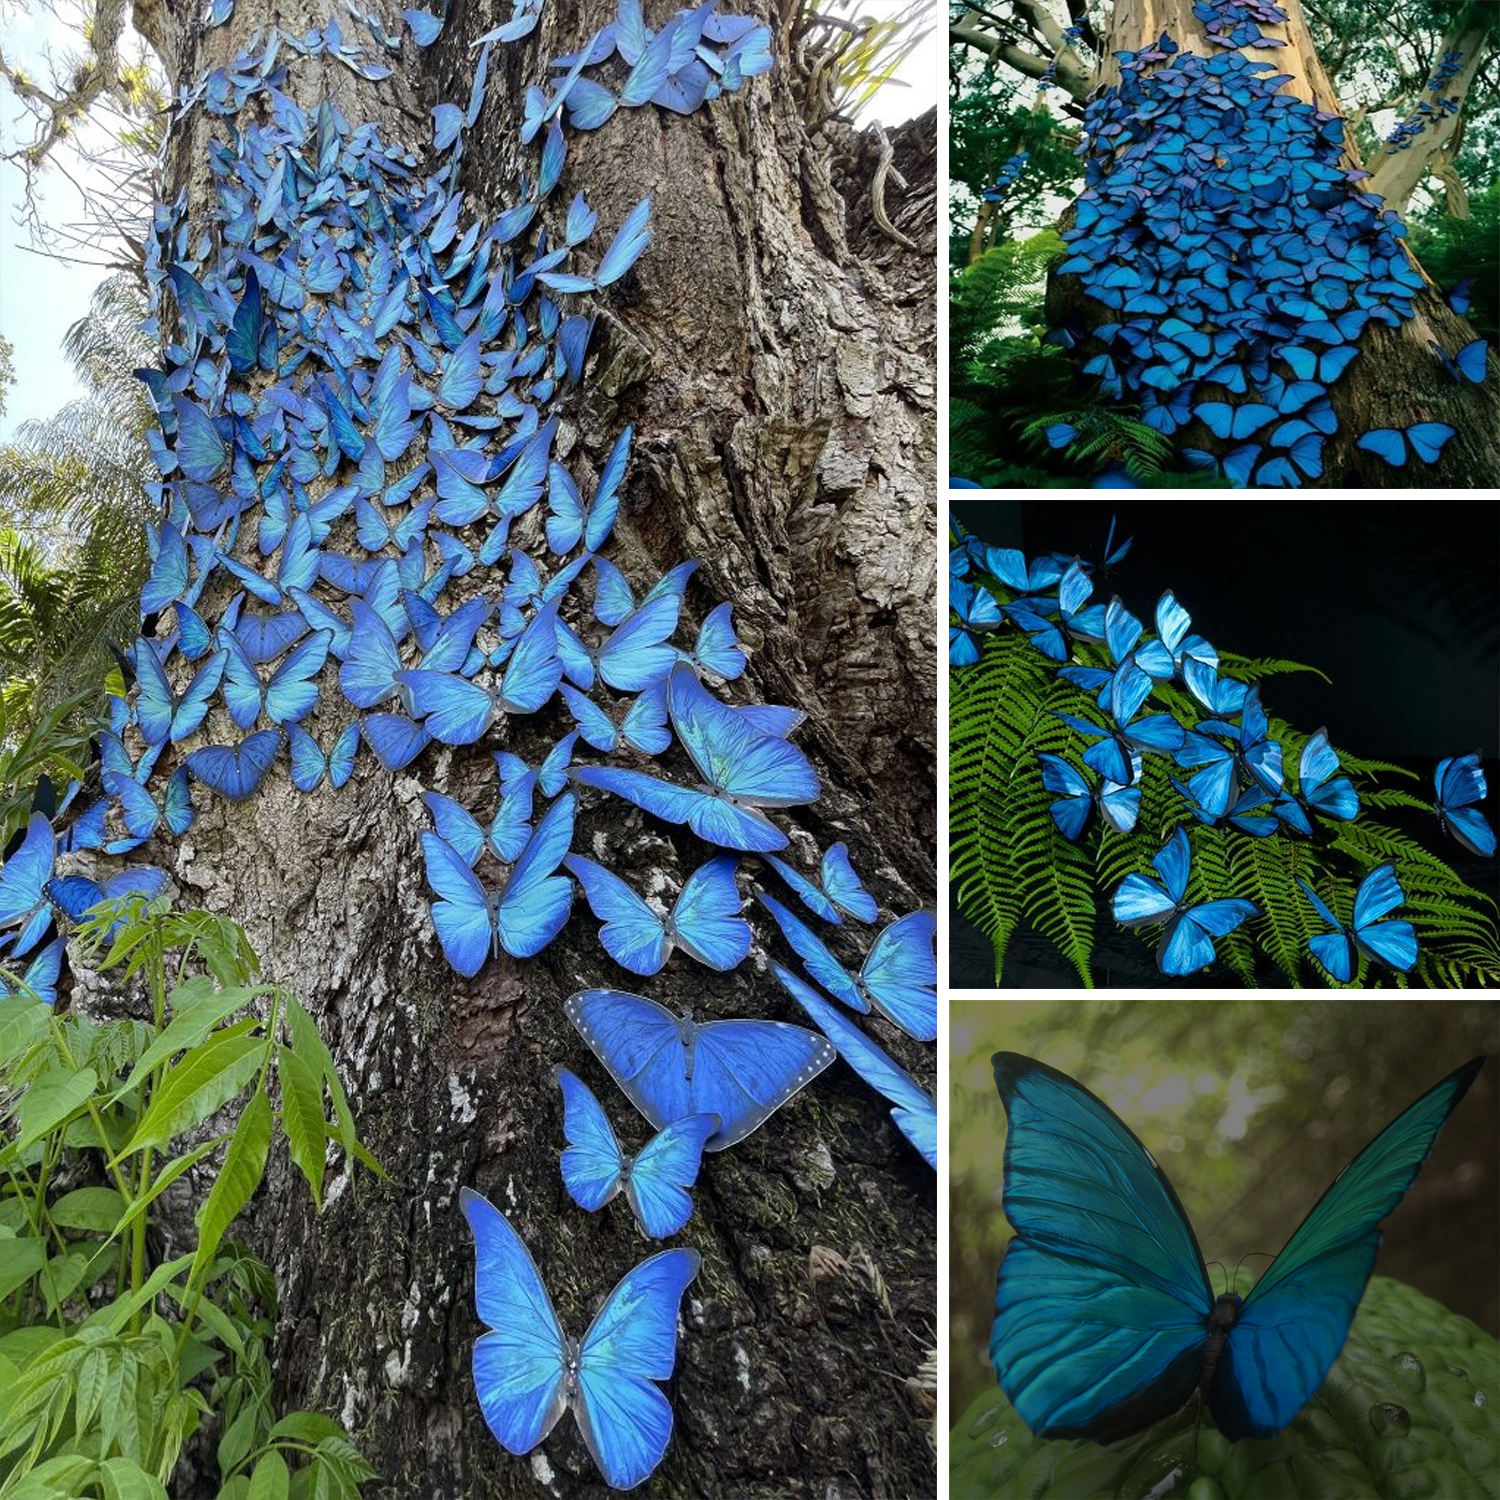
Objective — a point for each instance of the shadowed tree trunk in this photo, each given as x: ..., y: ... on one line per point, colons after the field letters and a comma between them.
x: 774, y: 350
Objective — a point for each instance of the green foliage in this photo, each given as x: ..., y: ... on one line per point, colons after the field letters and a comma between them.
x: 54, y: 745
x: 1452, y: 249
x: 1400, y: 1413
x: 112, y: 1357
x: 1009, y: 863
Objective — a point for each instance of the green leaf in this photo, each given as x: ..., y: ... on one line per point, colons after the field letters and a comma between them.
x: 164, y: 1179
x: 302, y: 1118
x: 22, y: 1021
x: 90, y: 1208
x: 244, y: 1167
x: 113, y: 1316
x: 305, y: 1427
x: 234, y: 1446
x: 196, y: 1006
x: 271, y: 1479
x: 124, y: 1480
x: 311, y: 1048
x: 20, y: 1260
x: 199, y: 1085
x: 51, y: 1100
x: 93, y: 1373
x: 66, y: 1274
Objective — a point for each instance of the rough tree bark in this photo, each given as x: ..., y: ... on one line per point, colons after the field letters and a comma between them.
x: 775, y: 352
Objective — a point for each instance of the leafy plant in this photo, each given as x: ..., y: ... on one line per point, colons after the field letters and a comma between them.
x: 112, y: 1358
x: 1010, y: 865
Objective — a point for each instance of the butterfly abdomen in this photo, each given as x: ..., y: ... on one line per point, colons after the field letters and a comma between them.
x: 1220, y: 1321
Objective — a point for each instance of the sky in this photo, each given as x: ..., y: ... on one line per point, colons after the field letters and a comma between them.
x: 40, y: 297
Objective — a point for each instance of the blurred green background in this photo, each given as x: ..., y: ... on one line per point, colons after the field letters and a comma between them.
x: 1252, y: 1107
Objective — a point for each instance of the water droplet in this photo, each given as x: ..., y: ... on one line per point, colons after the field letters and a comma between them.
x: 954, y: 1475
x: 999, y: 1439
x: 1387, y: 1417
x: 1406, y: 1363
x: 1454, y: 1370
x: 983, y: 1420
x: 1480, y: 1399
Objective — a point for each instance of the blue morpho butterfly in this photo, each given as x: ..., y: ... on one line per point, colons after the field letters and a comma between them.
x: 1393, y: 943
x: 459, y: 712
x: 1460, y: 783
x: 371, y: 672
x: 1468, y: 364
x: 1114, y: 756
x: 656, y: 1182
x: 839, y: 891
x: 636, y: 653
x: 161, y: 712
x: 1423, y: 440
x: 1247, y: 813
x: 75, y: 896
x: 1187, y: 939
x: 528, y: 1372
x: 1321, y: 369
x: 525, y: 591
x: 898, y: 976
x: 743, y: 770
x: 1251, y: 750
x: 1021, y: 577
x: 1075, y: 621
x: 671, y: 1066
x: 977, y: 611
x: 614, y: 599
x: 551, y: 773
x: 41, y: 976
x: 290, y: 694
x: 1136, y: 663
x: 508, y: 831
x: 236, y: 771
x: 705, y: 920
x: 1119, y: 806
x: 310, y: 765
x: 1074, y: 1168
x: 915, y: 1113
x: 141, y: 812
x: 523, y: 916
x: 23, y: 886
x: 1219, y: 695
x: 643, y: 726
x: 717, y: 648
x: 1461, y: 294
x: 1315, y: 792
x: 1235, y: 422
x: 570, y: 520
x: 394, y: 740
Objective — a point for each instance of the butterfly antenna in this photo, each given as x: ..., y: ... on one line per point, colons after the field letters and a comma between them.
x: 1252, y: 1253
x: 1220, y: 1264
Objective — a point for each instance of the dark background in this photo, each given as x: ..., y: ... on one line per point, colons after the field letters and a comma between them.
x: 1252, y: 1106
x: 1396, y: 601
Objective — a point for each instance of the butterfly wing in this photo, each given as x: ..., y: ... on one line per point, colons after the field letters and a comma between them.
x: 1102, y: 1308
x: 844, y: 887
x: 1393, y: 943
x: 461, y: 913
x: 235, y: 771
x: 1188, y: 944
x: 900, y: 975
x: 661, y: 1175
x: 536, y: 899
x: 456, y: 825
x: 811, y: 895
x: 520, y: 1369
x: 706, y: 922
x: 625, y: 1421
x: 592, y: 1162
x: 744, y: 1071
x: 1295, y: 1320
x: 637, y: 653
x: 640, y: 1043
x: 825, y: 969
x: 633, y: 935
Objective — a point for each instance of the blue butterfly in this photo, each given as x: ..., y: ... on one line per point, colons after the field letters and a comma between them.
x: 1072, y: 1166
x: 1187, y: 940
x: 614, y: 599
x: 507, y: 833
x: 1322, y: 369
x: 310, y: 765
x: 76, y: 896
x: 643, y: 726
x: 526, y: 913
x: 671, y: 1066
x: 1424, y: 440
x: 236, y: 771
x: 1461, y: 294
x: 290, y: 694
x: 656, y: 1182
x: 704, y: 922
x: 1245, y: 814
x: 551, y: 774
x: 571, y: 520
x: 1393, y: 943
x: 40, y: 979
x: 718, y: 648
x: 1219, y: 695
x: 1236, y: 422
x: 898, y: 977
x: 743, y: 770
x: 394, y: 740
x: 1115, y: 754
x: 371, y: 672
x: 1460, y: 783
x: 978, y: 612
x: 161, y: 712
x: 839, y: 892
x: 1315, y: 792
x: 23, y: 886
x: 1119, y: 806
x: 142, y: 813
x: 527, y: 1372
x: 636, y: 653
x: 915, y: 1113
x: 1469, y: 363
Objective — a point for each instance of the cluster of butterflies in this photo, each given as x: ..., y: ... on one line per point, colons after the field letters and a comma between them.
x: 1237, y: 777
x: 1237, y: 252
x: 1237, y: 23
x: 1407, y: 131
x: 1005, y: 178
x: 355, y: 438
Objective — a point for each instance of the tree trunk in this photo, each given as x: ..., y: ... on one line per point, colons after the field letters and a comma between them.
x: 775, y: 352
x: 1396, y: 381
